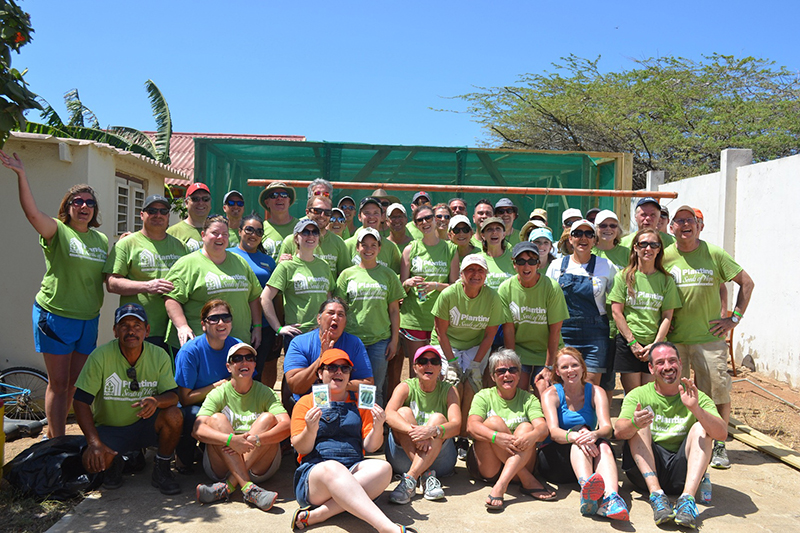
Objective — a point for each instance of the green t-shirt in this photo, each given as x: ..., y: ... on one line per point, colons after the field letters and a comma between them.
x: 424, y: 404
x: 72, y: 286
x: 619, y: 255
x: 389, y: 256
x: 655, y: 293
x: 413, y: 230
x: 105, y: 377
x: 139, y: 258
x: 532, y: 310
x: 242, y: 410
x: 523, y: 407
x: 512, y: 238
x: 331, y: 249
x: 197, y: 279
x: 672, y: 421
x: 500, y: 268
x: 305, y: 286
x: 698, y: 275
x: 233, y: 238
x: 274, y: 235
x: 368, y: 294
x: 432, y: 263
x: 468, y: 317
x: 627, y: 240
x: 187, y: 234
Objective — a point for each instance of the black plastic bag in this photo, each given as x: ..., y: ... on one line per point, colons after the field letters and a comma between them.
x: 52, y: 469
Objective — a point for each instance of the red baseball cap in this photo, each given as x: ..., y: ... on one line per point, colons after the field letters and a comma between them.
x: 197, y: 187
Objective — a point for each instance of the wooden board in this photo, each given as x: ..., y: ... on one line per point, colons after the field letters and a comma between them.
x: 756, y: 439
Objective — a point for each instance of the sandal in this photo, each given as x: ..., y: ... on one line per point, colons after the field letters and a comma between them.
x: 543, y: 494
x: 303, y: 521
x: 406, y: 529
x: 492, y: 505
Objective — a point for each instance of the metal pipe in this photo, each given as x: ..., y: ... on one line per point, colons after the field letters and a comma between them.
x: 768, y: 392
x: 358, y: 185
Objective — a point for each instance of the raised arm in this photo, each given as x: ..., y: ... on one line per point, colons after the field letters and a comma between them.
x: 43, y: 224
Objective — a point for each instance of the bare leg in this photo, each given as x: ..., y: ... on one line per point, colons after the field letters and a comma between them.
x: 582, y: 465
x: 260, y: 459
x: 698, y: 455
x: 222, y: 461
x: 169, y: 425
x: 421, y: 460
x: 607, y: 467
x: 641, y: 446
x: 62, y: 373
x: 395, y: 370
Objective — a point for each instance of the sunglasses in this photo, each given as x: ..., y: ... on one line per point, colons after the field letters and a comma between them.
x: 337, y: 220
x: 322, y: 193
x: 310, y: 232
x: 334, y: 368
x: 239, y: 357
x: 521, y: 262
x: 423, y: 219
x: 506, y: 369
x: 422, y: 361
x: 237, y: 203
x: 200, y: 198
x: 421, y: 201
x: 604, y: 226
x: 79, y: 202
x: 642, y: 245
x: 589, y: 234
x: 320, y: 211
x: 347, y: 207
x: 278, y: 194
x: 214, y: 319
x: 156, y: 210
x: 250, y: 230
x: 443, y: 217
x: 505, y: 210
x: 461, y: 229
x: 131, y: 373
x: 386, y: 204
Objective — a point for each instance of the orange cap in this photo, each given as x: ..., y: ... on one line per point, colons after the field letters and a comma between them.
x: 334, y: 354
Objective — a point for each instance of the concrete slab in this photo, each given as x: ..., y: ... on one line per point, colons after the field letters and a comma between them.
x: 757, y: 494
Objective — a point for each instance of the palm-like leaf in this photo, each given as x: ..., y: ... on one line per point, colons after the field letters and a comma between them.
x: 49, y: 115
x: 163, y: 121
x: 91, y: 134
x: 134, y: 137
x: 79, y: 114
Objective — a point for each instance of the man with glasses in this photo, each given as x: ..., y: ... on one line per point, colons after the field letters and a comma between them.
x: 137, y: 265
x: 398, y: 219
x: 242, y: 424
x: 198, y: 205
x: 386, y: 200
x: 457, y: 206
x: 370, y: 214
x: 320, y: 187
x: 699, y: 268
x: 331, y: 248
x: 276, y: 198
x: 647, y: 215
x: 420, y: 198
x: 483, y: 210
x: 126, y: 399
x: 506, y: 211
x: 233, y: 206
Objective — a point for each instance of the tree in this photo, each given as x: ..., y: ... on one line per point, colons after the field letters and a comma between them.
x: 15, y: 97
x: 673, y: 114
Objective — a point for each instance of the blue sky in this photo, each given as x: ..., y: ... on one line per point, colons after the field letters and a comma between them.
x: 359, y: 71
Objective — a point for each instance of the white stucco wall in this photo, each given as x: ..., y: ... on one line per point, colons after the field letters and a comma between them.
x: 701, y: 192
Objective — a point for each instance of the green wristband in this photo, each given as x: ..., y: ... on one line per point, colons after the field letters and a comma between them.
x: 279, y: 330
x: 567, y: 436
x: 634, y: 425
x: 632, y: 342
x: 229, y: 440
x: 442, y: 428
x: 256, y: 326
x: 494, y: 436
x: 737, y: 313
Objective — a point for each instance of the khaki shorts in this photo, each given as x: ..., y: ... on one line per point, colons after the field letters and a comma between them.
x: 710, y: 364
x: 276, y: 464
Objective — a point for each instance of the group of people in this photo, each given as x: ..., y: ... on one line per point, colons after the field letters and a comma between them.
x: 513, y: 341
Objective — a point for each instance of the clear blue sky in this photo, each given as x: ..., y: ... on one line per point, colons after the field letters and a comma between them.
x: 366, y: 71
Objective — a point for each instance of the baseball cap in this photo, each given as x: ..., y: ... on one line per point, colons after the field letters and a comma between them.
x: 420, y: 194
x: 459, y: 219
x: 539, y: 213
x: 197, y: 186
x: 343, y: 198
x: 155, y: 199
x: 130, y: 310
x: 236, y: 347
x: 604, y: 215
x: 539, y: 233
x: 425, y: 349
x: 570, y: 213
x: 698, y: 213
x: 363, y: 232
x: 232, y: 192
x: 369, y: 200
x: 685, y: 208
x: 474, y: 259
x: 303, y: 224
x: 648, y: 200
x: 334, y: 354
x: 582, y: 222
x: 337, y: 211
x: 664, y: 211
x: 524, y: 246
x: 395, y: 207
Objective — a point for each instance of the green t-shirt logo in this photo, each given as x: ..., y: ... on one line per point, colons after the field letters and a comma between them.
x: 79, y: 250
x: 455, y: 316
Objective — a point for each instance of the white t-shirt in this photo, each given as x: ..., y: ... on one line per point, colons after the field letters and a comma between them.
x: 602, y: 280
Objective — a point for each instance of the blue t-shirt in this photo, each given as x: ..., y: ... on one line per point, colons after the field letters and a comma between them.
x: 262, y: 264
x: 305, y: 349
x: 197, y: 365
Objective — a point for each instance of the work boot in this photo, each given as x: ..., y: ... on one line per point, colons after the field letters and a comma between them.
x: 164, y: 478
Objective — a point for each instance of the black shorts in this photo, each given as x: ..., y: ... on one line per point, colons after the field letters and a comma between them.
x: 140, y: 434
x: 554, y: 463
x: 670, y: 468
x: 624, y: 360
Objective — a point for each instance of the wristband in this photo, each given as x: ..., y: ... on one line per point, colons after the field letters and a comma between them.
x: 229, y: 440
x: 737, y: 313
x: 632, y: 343
x: 634, y: 425
x: 567, y: 436
x: 279, y: 330
x: 256, y: 326
x: 494, y: 436
x: 442, y: 428
x: 453, y: 360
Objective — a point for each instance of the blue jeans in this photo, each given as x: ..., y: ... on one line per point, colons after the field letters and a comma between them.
x: 377, y: 358
x: 444, y: 464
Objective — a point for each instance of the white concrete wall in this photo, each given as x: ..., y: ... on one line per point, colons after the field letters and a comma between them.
x: 701, y: 192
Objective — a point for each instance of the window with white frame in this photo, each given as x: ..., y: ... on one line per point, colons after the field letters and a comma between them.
x: 130, y: 199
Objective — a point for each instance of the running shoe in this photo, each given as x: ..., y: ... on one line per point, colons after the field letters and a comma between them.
x: 213, y: 492
x: 719, y: 456
x: 662, y: 510
x: 591, y: 492
x: 613, y: 507
x: 686, y: 512
x: 431, y: 486
x: 404, y: 491
x: 261, y: 498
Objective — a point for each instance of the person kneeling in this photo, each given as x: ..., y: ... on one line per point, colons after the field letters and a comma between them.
x: 669, y: 427
x: 242, y: 424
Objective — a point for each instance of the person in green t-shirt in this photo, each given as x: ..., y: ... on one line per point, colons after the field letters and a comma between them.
x: 138, y: 264
x: 348, y: 207
x: 506, y: 424
x: 242, y: 424
x: 370, y: 213
x: 497, y: 252
x: 233, y: 206
x: 119, y: 415
x: 331, y: 248
x: 67, y: 308
x: 338, y: 223
x: 643, y: 298
x: 506, y: 211
x: 667, y: 426
x: 483, y: 210
x: 608, y: 239
x: 198, y: 205
x: 276, y: 198
x: 460, y: 235
x: 443, y: 216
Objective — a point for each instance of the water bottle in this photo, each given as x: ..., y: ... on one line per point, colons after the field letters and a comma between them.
x: 422, y: 294
x: 705, y: 489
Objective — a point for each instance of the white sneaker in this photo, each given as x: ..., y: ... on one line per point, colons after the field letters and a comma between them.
x: 432, y: 486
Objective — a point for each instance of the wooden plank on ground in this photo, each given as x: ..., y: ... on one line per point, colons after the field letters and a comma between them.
x: 756, y: 439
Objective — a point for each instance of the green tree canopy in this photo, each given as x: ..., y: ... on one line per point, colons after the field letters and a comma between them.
x: 673, y: 114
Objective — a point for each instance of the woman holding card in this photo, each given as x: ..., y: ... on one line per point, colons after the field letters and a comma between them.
x: 333, y: 475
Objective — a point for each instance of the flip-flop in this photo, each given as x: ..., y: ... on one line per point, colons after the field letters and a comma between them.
x: 296, y: 517
x: 536, y: 494
x: 490, y: 504
x: 406, y: 529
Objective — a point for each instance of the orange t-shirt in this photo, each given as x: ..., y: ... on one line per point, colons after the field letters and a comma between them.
x: 305, y: 403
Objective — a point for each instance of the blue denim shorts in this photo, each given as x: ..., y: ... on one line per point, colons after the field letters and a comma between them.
x: 444, y: 465
x: 301, y: 476
x: 61, y: 336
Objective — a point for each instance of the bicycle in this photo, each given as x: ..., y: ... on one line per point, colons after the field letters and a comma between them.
x: 23, y: 390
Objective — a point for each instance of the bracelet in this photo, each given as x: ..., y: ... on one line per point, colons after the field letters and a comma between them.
x: 494, y: 436
x: 229, y: 440
x: 442, y: 427
x: 737, y: 313
x: 567, y: 436
x: 256, y: 326
x: 453, y: 360
x: 279, y: 330
x: 632, y: 342
x: 634, y: 425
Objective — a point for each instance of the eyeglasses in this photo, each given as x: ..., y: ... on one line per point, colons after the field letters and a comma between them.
x: 506, y: 369
x: 422, y: 361
x: 310, y: 232
x: 214, y: 319
x: 386, y: 204
x: 239, y: 357
x: 278, y: 194
x: 682, y: 221
x: 642, y: 245
x: 320, y: 211
x: 420, y: 220
x: 347, y: 207
x: 79, y: 202
x: 200, y: 198
x: 322, y: 193
x: 156, y: 210
x: 521, y: 262
x: 131, y: 373
x: 505, y: 210
x: 589, y: 234
x: 334, y: 368
x: 443, y: 217
x: 337, y: 220
x: 250, y: 230
x: 461, y: 229
x: 420, y: 201
x: 604, y: 226
x: 237, y: 203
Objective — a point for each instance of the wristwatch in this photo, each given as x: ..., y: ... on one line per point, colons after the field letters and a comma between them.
x: 258, y: 440
x: 734, y: 319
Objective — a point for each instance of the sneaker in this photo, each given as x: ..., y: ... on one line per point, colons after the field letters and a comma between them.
x: 662, y: 510
x: 261, y: 498
x: 404, y: 491
x: 112, y: 477
x: 613, y: 507
x: 686, y: 512
x: 431, y: 486
x: 591, y: 492
x: 212, y: 493
x: 164, y: 478
x: 719, y: 456
x: 462, y: 446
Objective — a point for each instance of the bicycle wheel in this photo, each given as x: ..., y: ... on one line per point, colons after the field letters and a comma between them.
x: 26, y: 405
